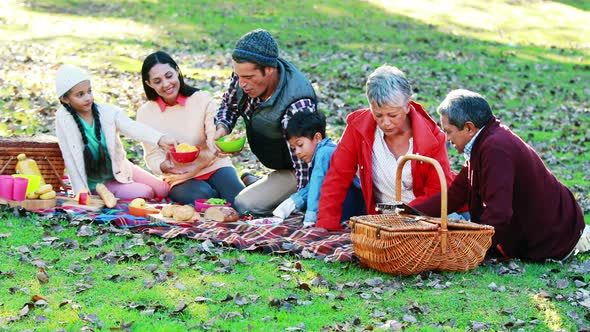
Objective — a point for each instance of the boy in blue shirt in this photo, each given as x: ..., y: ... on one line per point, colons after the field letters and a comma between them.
x: 306, y: 134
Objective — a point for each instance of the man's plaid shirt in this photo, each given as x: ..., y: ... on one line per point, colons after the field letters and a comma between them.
x: 228, y: 114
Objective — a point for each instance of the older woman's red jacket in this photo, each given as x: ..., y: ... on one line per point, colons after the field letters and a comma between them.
x: 354, y: 152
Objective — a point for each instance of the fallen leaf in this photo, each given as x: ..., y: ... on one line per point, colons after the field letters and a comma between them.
x: 200, y: 299
x: 123, y: 326
x: 179, y: 308
x: 9, y: 274
x: 148, y: 312
x: 233, y: 314
x: 227, y: 298
x: 378, y: 314
x: 374, y: 282
x: 151, y: 267
x: 25, y: 309
x: 562, y: 283
x: 299, y: 327
x: 304, y: 286
x: 479, y: 326
x: 64, y: 302
x: 85, y: 231
x: 240, y: 300
x: 23, y: 250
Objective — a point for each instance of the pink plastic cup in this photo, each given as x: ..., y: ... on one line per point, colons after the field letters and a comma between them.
x: 6, y: 184
x: 19, y: 189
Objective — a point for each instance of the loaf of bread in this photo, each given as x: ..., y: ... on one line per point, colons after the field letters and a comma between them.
x: 221, y: 214
x: 107, y: 197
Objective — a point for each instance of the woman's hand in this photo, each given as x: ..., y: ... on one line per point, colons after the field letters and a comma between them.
x: 174, y: 178
x: 177, y: 172
x: 170, y: 166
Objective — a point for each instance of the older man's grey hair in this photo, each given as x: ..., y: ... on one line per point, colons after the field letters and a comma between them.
x: 462, y: 105
x: 388, y: 86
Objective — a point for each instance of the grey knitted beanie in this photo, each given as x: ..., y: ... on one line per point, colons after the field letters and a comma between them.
x: 257, y: 46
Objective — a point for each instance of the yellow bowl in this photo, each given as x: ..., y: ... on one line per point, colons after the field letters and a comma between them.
x: 34, y: 182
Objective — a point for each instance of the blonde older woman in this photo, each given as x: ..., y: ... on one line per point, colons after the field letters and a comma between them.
x: 373, y: 142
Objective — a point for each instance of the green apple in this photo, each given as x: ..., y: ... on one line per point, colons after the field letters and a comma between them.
x: 138, y: 203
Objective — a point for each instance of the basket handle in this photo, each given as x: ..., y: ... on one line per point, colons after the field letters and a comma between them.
x: 6, y: 165
x: 61, y: 182
x: 443, y: 189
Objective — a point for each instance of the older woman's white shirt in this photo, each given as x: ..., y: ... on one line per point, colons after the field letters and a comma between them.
x: 384, y: 170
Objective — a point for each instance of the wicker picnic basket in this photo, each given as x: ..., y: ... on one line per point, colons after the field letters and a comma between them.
x: 42, y: 148
x: 404, y: 244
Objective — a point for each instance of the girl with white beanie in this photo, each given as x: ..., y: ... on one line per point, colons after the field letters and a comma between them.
x: 88, y: 135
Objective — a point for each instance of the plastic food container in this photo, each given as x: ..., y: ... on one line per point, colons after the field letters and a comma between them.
x: 185, y: 157
x: 231, y: 145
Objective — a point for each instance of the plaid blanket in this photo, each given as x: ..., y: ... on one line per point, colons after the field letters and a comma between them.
x: 287, y: 237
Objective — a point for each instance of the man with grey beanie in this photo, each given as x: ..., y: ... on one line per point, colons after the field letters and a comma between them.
x: 266, y: 90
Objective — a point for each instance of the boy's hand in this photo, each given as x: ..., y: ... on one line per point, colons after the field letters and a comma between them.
x: 284, y: 209
x: 308, y: 224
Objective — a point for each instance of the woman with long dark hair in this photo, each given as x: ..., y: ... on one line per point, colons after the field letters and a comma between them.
x: 185, y: 113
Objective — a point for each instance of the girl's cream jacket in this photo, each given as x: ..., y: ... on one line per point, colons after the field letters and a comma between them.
x: 112, y: 120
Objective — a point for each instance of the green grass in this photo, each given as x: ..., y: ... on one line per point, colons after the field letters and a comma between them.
x: 269, y: 286
x: 531, y: 59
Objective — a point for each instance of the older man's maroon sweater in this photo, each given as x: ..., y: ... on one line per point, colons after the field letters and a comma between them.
x: 507, y: 185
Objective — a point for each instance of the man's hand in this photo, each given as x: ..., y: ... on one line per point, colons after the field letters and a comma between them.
x: 220, y: 132
x: 167, y: 142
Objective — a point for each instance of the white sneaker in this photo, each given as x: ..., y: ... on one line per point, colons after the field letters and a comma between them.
x: 584, y: 241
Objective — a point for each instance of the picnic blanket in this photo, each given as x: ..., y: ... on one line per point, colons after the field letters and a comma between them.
x: 288, y: 237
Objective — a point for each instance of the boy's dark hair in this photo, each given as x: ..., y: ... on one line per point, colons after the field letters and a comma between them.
x: 306, y: 124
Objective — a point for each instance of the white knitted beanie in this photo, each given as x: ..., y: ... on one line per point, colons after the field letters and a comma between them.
x: 67, y: 77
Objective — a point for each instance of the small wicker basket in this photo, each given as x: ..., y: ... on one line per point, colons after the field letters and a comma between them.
x: 407, y: 244
x: 44, y: 149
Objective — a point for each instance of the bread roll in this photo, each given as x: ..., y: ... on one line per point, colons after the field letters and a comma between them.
x: 167, y: 211
x: 183, y: 213
x: 221, y: 214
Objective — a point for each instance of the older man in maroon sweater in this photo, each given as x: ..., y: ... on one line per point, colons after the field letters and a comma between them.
x: 506, y: 185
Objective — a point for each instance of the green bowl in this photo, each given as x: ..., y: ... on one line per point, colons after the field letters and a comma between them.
x: 231, y: 146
